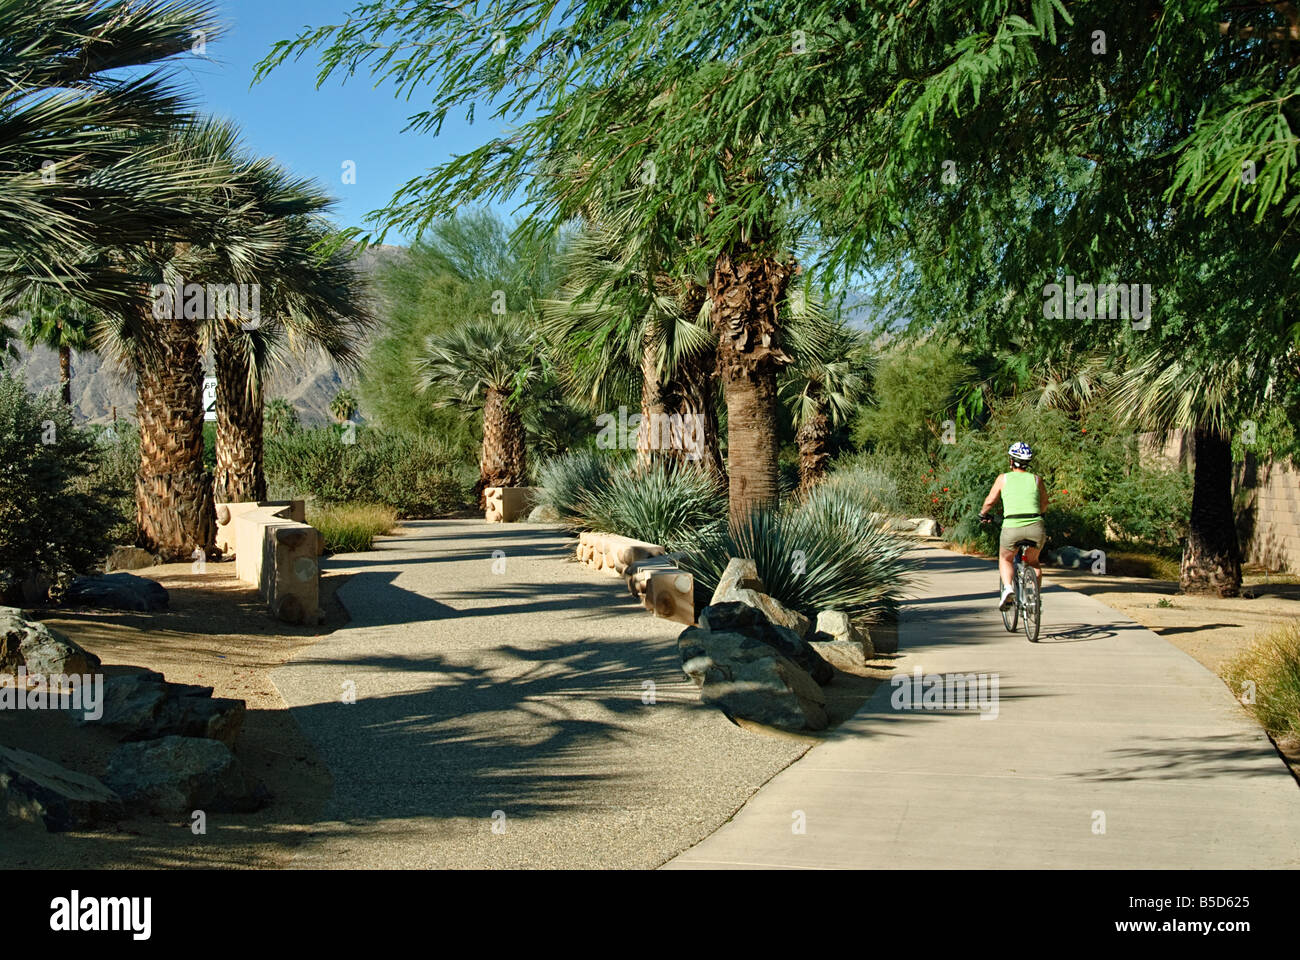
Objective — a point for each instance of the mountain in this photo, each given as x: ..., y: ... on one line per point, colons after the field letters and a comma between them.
x: 99, y: 390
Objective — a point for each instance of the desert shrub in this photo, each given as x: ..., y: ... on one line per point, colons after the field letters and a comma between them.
x: 117, y: 460
x: 569, y: 478
x: 892, y: 483
x: 352, y: 527
x: 1098, y: 490
x: 657, y: 504
x: 915, y: 387
x: 824, y: 553
x: 417, y: 476
x: 1271, y: 668
x: 56, y: 508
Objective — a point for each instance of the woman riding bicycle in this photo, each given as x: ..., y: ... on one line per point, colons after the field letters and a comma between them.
x: 1024, y: 501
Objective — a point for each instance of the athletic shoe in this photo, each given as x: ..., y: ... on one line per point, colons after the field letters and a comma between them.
x: 1008, y: 598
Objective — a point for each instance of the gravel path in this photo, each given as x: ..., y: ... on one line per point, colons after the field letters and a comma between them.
x: 499, y: 717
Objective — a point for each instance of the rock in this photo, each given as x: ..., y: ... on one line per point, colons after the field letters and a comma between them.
x: 925, y: 527
x: 32, y: 644
x: 1072, y: 557
x: 748, y: 619
x: 40, y: 791
x: 832, y: 625
x: 846, y: 655
x: 117, y: 591
x: 741, y: 574
x: 774, y: 609
x: 544, y: 513
x: 750, y: 680
x: 129, y: 558
x: 177, y: 775
x: 140, y: 705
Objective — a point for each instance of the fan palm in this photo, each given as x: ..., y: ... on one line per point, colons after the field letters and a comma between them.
x: 617, y: 326
x: 343, y: 406
x: 487, y: 364
x: 824, y: 386
x: 1162, y: 393
x: 312, y: 301
x: 58, y: 322
x: 81, y: 163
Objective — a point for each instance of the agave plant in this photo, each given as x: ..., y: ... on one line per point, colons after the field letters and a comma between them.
x: 654, y: 503
x: 565, y: 480
x: 823, y: 553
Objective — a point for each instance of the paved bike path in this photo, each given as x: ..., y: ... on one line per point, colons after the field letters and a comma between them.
x: 1102, y: 725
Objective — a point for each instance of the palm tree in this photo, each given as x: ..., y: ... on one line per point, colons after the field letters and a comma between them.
x: 616, y: 326
x: 82, y: 166
x: 159, y: 337
x: 280, y: 418
x: 487, y: 363
x: 343, y: 406
x: 824, y: 385
x: 313, y: 301
x: 58, y: 322
x: 1164, y: 393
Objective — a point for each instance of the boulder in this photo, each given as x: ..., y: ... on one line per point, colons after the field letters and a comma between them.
x: 772, y: 608
x: 925, y: 527
x: 177, y: 775
x: 1072, y: 557
x: 544, y: 513
x: 117, y: 591
x: 751, y: 620
x: 749, y: 679
x: 140, y: 705
x: 32, y: 644
x: 741, y: 574
x: 129, y: 558
x: 832, y: 625
x: 40, y: 791
x: 847, y: 655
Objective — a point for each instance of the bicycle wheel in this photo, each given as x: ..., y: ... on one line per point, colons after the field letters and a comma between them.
x: 1033, y: 602
x: 1010, y: 613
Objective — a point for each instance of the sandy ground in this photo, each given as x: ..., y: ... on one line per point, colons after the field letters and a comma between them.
x: 216, y: 633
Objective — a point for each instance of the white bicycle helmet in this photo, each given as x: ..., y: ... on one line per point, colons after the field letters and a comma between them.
x: 1021, y: 452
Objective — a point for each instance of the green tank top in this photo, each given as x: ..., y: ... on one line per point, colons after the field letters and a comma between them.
x: 1019, y: 496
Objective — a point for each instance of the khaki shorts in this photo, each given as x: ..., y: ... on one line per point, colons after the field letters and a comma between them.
x: 1034, y: 531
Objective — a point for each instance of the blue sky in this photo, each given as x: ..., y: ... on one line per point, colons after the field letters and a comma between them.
x: 313, y: 132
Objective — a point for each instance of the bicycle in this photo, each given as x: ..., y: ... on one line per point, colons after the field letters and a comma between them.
x: 1028, y: 608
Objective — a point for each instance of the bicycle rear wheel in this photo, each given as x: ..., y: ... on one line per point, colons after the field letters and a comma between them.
x: 1032, y: 602
x: 1009, y: 614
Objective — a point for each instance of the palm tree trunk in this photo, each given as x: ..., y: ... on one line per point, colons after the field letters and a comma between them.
x: 1211, y: 557
x: 240, y: 476
x: 692, y: 393
x: 65, y: 373
x: 746, y: 291
x: 813, y: 439
x: 173, y: 494
x: 648, y: 439
x: 504, y: 461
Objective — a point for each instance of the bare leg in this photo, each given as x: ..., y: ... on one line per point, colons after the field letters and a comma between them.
x: 1031, y: 558
x: 1006, y: 570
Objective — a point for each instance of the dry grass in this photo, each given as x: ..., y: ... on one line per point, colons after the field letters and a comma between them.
x: 1268, y: 673
x: 352, y: 527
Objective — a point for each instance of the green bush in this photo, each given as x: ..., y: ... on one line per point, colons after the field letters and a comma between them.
x: 57, y: 508
x: 117, y: 460
x: 567, y: 479
x: 417, y: 476
x: 915, y: 388
x: 892, y: 483
x: 824, y: 553
x: 655, y: 504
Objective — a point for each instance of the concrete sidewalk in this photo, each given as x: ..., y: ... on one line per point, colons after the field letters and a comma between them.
x: 1102, y: 723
